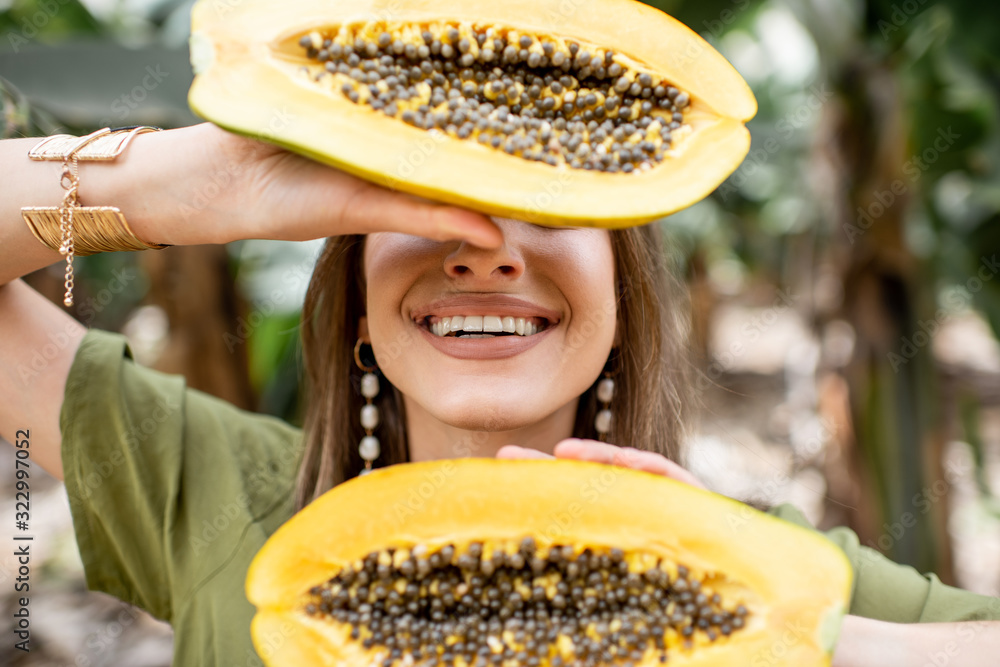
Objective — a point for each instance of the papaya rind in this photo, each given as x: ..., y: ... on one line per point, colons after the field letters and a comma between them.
x: 242, y: 74
x: 795, y: 581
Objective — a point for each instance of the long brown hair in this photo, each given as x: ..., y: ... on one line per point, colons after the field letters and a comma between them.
x: 649, y: 366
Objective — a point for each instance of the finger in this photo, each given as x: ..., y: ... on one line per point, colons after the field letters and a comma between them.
x: 592, y: 450
x: 371, y: 208
x: 629, y: 457
x: 515, y: 452
x: 457, y: 224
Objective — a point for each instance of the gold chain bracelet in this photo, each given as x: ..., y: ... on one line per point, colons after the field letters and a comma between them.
x: 73, y: 229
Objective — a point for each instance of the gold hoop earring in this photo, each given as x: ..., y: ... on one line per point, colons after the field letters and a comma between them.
x: 357, y: 357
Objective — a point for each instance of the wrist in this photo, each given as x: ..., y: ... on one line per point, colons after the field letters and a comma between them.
x: 158, y: 185
x: 865, y: 642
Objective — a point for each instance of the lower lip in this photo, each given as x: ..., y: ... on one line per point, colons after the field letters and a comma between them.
x: 500, y: 347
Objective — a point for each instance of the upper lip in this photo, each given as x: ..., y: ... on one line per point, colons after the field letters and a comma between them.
x: 484, y: 304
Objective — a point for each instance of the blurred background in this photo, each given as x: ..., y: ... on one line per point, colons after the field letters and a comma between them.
x: 845, y: 300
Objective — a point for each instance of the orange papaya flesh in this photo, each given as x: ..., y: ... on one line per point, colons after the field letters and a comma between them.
x: 611, y: 114
x: 489, y: 562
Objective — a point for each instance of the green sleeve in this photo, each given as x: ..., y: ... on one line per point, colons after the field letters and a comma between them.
x: 167, y: 485
x: 887, y: 591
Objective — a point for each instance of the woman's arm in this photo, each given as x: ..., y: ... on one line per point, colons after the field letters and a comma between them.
x: 188, y: 186
x: 868, y: 643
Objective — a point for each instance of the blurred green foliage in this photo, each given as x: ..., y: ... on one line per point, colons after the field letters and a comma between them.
x: 48, y: 21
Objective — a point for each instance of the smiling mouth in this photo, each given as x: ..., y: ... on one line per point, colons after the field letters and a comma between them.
x: 484, y: 326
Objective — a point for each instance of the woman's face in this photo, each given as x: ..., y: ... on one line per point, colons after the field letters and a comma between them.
x: 558, y: 280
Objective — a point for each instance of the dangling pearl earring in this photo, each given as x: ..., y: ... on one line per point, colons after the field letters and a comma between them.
x: 369, y: 448
x: 605, y: 392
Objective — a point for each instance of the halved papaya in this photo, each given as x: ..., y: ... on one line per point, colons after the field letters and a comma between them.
x: 487, y: 562
x: 605, y: 113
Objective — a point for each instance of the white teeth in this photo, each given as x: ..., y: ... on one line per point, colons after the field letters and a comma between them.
x: 492, y: 324
x: 486, y: 324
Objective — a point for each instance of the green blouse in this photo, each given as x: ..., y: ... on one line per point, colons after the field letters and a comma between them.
x: 173, y: 492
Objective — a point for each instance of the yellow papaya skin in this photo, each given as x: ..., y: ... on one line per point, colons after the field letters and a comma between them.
x: 795, y: 583
x: 247, y: 80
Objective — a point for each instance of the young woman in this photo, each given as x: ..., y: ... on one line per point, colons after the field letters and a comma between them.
x: 173, y: 491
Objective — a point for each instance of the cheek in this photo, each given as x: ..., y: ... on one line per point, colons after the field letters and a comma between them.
x: 587, y: 271
x: 388, y: 254
x: 591, y: 288
x: 391, y: 264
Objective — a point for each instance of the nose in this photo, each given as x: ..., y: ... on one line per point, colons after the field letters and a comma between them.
x: 472, y: 262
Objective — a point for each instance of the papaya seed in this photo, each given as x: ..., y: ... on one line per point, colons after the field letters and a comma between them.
x: 523, y: 604
x: 448, y: 77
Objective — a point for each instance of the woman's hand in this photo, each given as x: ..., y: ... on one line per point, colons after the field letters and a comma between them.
x: 865, y: 642
x: 202, y: 184
x: 601, y: 452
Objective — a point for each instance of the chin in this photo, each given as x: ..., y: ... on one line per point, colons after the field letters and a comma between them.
x: 488, y: 416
